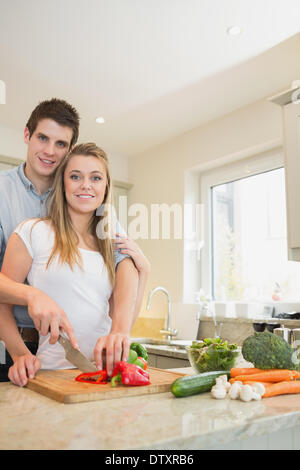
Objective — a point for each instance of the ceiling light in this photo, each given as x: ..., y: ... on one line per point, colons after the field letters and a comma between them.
x: 100, y: 120
x: 234, y: 30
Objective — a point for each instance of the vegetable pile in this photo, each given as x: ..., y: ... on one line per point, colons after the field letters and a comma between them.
x: 248, y: 383
x: 245, y: 384
x: 132, y: 372
x: 212, y: 354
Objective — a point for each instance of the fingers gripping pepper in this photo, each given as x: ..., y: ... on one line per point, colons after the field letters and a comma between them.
x: 129, y: 374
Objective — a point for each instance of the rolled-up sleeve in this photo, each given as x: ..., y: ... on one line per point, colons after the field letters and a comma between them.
x: 119, y: 256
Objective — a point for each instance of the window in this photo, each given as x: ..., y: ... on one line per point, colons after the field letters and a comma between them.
x: 245, y: 254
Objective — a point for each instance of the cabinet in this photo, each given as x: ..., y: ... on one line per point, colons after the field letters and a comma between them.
x: 291, y: 132
x: 120, y: 196
x: 6, y: 163
x: 166, y: 362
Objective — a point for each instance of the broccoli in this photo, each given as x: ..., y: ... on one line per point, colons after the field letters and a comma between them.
x: 268, y: 351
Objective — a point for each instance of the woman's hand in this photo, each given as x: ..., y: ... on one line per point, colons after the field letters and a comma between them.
x: 116, y: 347
x: 129, y: 247
x: 24, y: 367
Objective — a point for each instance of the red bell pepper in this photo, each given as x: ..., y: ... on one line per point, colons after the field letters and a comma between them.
x: 129, y: 374
x: 91, y: 377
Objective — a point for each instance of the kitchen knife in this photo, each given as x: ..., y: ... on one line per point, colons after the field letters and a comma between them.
x: 75, y: 356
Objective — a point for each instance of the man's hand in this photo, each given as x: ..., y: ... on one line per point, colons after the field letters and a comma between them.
x: 116, y: 347
x: 127, y: 246
x: 24, y: 367
x: 47, y: 317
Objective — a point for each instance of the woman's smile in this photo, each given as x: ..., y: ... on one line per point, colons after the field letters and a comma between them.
x: 85, y: 182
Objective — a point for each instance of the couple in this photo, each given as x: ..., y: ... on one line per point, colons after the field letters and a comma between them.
x: 91, y: 288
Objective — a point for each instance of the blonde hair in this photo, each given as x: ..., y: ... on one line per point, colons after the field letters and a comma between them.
x: 66, y: 239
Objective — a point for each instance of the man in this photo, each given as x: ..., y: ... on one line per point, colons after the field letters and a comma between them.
x: 51, y: 131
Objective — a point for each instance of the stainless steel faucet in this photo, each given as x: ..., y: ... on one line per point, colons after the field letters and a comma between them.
x: 168, y: 331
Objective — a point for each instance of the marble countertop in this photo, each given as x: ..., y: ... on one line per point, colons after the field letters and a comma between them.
x: 159, y: 421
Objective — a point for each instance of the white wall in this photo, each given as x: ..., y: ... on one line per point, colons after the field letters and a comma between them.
x: 158, y: 177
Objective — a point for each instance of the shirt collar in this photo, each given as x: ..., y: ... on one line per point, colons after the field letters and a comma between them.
x: 27, y: 183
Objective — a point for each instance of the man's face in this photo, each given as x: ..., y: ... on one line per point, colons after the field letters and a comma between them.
x: 47, y: 147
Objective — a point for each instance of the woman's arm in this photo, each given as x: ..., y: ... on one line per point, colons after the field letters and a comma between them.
x: 142, y: 264
x: 116, y: 343
x: 44, y: 312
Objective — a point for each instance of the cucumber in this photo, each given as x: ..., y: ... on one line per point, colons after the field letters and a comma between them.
x: 194, y: 384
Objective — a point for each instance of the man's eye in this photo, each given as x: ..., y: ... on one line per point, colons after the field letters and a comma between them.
x: 42, y: 137
x: 61, y: 144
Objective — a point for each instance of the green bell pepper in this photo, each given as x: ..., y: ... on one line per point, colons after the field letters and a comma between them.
x: 132, y: 356
x: 140, y: 350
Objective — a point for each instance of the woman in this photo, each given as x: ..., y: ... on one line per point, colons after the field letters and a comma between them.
x: 63, y: 256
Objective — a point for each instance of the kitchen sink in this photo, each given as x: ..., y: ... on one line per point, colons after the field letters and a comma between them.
x: 176, y: 343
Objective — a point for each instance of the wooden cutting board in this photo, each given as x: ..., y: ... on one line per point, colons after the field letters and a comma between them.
x: 60, y: 385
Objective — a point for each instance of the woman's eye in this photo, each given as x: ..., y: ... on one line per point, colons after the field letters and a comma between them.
x: 74, y: 177
x: 97, y: 178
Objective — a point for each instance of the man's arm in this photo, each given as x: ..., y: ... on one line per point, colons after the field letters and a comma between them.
x: 116, y: 343
x: 25, y: 363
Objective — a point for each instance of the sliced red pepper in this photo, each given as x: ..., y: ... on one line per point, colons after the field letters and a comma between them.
x: 87, y: 377
x: 129, y: 374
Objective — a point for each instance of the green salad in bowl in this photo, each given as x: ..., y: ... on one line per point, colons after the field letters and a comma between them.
x: 212, y: 354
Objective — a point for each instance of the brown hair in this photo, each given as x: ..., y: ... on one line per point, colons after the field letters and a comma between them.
x: 59, y: 111
x: 66, y: 239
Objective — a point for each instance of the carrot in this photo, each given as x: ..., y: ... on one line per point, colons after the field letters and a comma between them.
x: 236, y: 371
x: 249, y: 382
x: 282, y: 388
x: 276, y: 375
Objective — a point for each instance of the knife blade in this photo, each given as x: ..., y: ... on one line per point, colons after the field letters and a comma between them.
x: 75, y: 356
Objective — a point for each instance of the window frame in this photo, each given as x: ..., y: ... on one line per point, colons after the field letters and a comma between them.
x: 250, y: 166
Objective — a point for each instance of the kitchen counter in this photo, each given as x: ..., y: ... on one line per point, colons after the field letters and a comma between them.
x: 159, y: 421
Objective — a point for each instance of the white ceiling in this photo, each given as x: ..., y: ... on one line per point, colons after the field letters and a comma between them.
x: 152, y: 68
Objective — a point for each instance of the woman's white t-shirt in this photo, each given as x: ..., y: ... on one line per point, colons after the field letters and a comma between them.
x: 83, y: 293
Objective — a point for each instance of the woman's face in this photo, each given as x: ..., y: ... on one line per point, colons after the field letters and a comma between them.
x: 85, y: 182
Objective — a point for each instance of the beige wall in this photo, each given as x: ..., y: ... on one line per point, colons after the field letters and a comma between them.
x: 11, y: 143
x: 158, y: 177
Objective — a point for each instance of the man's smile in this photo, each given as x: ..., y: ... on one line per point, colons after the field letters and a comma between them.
x: 46, y: 161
